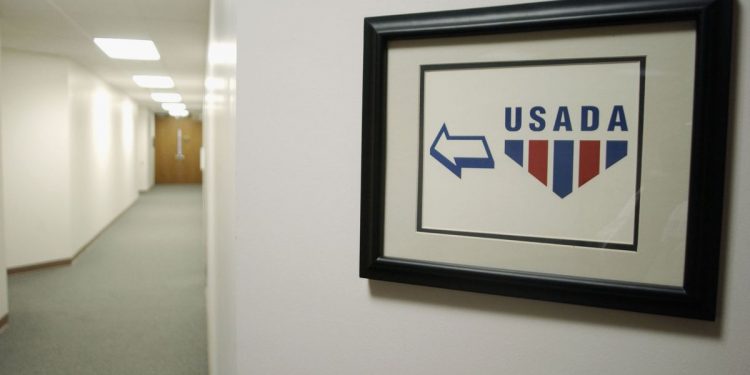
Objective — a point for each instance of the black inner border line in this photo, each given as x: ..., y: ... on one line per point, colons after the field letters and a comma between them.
x: 504, y: 64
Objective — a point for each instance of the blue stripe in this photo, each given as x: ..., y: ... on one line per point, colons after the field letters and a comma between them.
x: 616, y: 150
x: 562, y: 172
x: 514, y: 149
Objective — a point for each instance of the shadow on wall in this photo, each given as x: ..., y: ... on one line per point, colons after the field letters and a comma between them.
x: 542, y: 310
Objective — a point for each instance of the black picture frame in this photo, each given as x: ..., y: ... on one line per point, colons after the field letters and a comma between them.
x: 697, y: 298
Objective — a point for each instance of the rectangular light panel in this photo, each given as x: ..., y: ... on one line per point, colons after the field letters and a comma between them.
x: 179, y: 113
x: 128, y: 49
x: 166, y: 97
x: 154, y: 82
x: 173, y: 106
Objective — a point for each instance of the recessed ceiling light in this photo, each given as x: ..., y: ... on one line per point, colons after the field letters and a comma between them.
x: 154, y: 82
x: 128, y: 49
x: 179, y: 113
x: 166, y: 97
x: 173, y: 106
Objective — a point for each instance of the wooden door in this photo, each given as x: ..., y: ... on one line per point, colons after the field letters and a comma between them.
x: 175, y: 165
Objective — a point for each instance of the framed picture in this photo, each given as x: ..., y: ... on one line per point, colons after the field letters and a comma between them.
x: 568, y: 151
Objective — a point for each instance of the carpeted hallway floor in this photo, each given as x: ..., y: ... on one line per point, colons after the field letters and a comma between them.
x: 133, y: 303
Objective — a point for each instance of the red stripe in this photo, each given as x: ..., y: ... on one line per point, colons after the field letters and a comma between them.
x: 538, y: 160
x: 588, y: 163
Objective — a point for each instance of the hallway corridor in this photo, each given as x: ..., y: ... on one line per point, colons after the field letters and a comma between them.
x: 132, y: 303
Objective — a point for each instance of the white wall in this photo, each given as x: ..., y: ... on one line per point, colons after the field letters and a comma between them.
x: 3, y: 274
x: 69, y: 156
x: 103, y: 154
x: 35, y: 157
x: 285, y: 295
x: 145, y: 148
x: 219, y: 185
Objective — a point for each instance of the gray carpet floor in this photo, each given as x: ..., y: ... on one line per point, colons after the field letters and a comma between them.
x: 133, y: 303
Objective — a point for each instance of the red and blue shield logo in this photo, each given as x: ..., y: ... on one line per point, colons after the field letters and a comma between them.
x: 564, y: 153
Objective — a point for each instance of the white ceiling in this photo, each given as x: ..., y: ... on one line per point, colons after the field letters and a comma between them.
x: 179, y: 28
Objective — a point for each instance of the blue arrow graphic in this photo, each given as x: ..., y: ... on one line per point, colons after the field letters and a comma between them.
x: 457, y: 163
